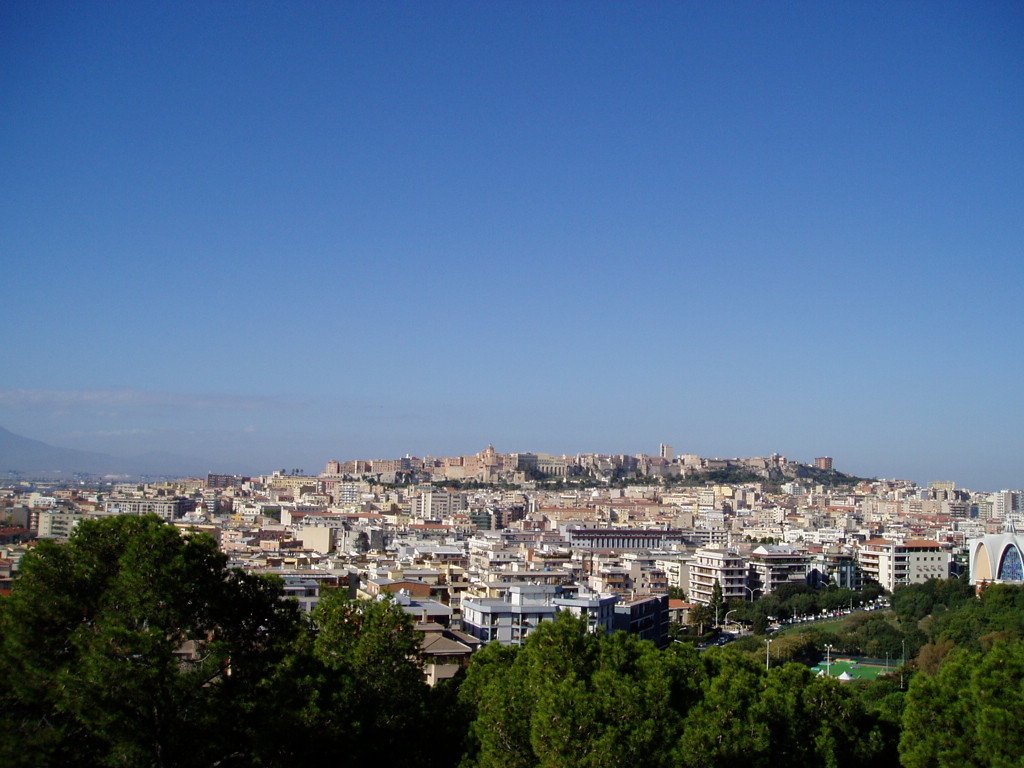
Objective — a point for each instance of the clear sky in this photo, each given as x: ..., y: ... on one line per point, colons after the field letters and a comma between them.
x: 269, y: 234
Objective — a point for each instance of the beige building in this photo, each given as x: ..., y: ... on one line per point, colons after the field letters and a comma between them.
x: 319, y: 538
x: 56, y: 524
x: 167, y: 508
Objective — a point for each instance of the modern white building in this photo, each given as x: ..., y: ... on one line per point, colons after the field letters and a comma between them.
x: 57, y: 524
x: 436, y: 505
x: 511, y: 620
x: 997, y: 558
x: 725, y: 566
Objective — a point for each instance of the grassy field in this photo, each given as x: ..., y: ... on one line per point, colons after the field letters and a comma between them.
x: 854, y: 669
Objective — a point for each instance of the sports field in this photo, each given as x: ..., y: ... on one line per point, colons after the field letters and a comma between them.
x: 851, y: 669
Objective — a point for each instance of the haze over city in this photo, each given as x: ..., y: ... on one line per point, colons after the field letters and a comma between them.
x: 270, y: 235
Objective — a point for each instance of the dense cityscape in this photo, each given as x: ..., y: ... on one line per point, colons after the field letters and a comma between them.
x: 647, y: 523
x: 490, y: 544
x: 760, y: 557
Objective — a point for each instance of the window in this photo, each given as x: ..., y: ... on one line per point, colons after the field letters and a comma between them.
x: 1011, y: 568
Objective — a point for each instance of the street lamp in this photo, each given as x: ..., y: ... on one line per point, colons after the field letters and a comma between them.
x: 903, y: 665
x: 767, y: 654
x: 828, y: 661
x: 726, y: 619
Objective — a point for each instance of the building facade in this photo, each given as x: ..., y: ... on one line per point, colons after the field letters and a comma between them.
x: 167, y: 508
x: 894, y: 564
x: 774, y: 565
x: 726, y: 567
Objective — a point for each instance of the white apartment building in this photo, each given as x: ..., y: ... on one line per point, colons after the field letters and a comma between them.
x: 676, y: 569
x: 726, y: 566
x: 773, y: 565
x: 436, y: 505
x: 1006, y: 503
x: 894, y: 564
x: 167, y: 508
x: 58, y: 524
x: 509, y: 621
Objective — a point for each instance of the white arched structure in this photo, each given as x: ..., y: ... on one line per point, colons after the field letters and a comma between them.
x: 997, y: 558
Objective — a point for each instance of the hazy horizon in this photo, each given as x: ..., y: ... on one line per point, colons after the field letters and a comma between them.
x: 143, y: 443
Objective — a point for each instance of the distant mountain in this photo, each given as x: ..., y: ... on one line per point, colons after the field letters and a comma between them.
x: 35, y: 458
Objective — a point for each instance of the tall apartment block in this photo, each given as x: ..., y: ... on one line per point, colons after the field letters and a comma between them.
x: 893, y: 564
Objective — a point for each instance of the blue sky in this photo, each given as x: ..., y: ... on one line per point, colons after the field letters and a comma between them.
x: 270, y: 234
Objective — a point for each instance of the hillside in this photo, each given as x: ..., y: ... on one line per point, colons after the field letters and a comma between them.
x: 22, y: 455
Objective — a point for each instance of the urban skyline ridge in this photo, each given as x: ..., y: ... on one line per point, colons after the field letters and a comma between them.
x: 708, y: 465
x: 65, y: 462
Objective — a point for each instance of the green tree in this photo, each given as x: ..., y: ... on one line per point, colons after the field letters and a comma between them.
x: 571, y: 698
x: 497, y: 692
x: 702, y: 617
x: 759, y: 619
x: 131, y: 644
x: 844, y: 733
x: 967, y: 713
x: 916, y: 601
x: 997, y: 692
x: 999, y: 613
x: 371, y: 657
x: 938, y: 722
x: 639, y: 695
x: 717, y: 601
x: 719, y: 730
x: 802, y: 648
x: 780, y: 707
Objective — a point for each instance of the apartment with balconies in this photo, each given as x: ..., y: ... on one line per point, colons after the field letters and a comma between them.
x: 774, y: 565
x: 898, y: 563
x: 726, y: 566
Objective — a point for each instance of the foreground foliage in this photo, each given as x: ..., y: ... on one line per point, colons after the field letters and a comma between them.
x: 131, y: 645
x: 967, y: 714
x: 571, y: 698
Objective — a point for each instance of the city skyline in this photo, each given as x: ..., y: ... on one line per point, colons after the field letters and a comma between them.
x: 275, y: 235
x: 168, y: 464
